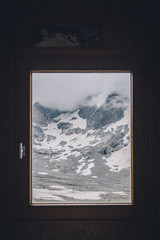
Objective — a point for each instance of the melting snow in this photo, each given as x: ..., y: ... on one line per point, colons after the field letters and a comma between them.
x: 94, y: 176
x: 120, y: 193
x: 44, y: 194
x: 119, y: 159
x: 80, y: 140
x: 125, y: 120
x: 76, y: 153
x: 80, y: 167
x: 77, y: 122
x: 87, y: 171
x: 57, y: 195
x: 57, y: 187
x: 42, y: 173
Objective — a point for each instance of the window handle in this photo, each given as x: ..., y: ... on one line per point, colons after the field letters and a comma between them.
x: 21, y: 151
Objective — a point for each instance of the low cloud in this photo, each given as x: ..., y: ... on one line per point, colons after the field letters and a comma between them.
x: 66, y: 91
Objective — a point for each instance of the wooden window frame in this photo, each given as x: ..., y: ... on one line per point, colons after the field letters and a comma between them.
x: 131, y: 137
x: 26, y: 60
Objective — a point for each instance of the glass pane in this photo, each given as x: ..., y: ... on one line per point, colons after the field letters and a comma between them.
x: 81, y: 138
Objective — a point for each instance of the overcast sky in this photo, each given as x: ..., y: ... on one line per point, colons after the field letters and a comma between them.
x: 65, y: 91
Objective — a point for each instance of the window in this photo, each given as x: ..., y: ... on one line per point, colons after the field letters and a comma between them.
x: 27, y: 65
x: 81, y: 138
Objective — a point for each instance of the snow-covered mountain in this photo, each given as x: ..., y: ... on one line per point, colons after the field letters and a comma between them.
x: 83, y: 155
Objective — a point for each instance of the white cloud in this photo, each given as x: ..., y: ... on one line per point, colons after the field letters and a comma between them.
x: 65, y: 91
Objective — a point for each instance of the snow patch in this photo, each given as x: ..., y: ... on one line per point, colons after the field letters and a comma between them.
x: 80, y: 167
x: 57, y: 187
x: 94, y: 176
x: 77, y: 122
x: 87, y: 171
x: 120, y: 193
x: 119, y: 159
x: 44, y: 194
x: 57, y: 195
x: 42, y: 173
x: 125, y: 120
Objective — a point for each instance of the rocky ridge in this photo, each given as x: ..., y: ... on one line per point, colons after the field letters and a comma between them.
x: 87, y: 149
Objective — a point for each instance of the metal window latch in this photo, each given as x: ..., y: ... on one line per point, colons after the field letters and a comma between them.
x: 21, y: 151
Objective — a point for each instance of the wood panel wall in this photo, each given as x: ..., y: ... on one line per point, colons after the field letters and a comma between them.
x: 133, y: 25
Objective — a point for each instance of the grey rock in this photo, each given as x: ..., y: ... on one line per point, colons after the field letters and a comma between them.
x: 64, y: 125
x: 50, y: 137
x: 74, y: 131
x: 63, y: 143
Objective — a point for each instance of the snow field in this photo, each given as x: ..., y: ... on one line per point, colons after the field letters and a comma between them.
x: 57, y: 194
x: 119, y: 159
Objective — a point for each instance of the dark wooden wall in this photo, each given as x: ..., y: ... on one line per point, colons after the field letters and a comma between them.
x: 126, y: 25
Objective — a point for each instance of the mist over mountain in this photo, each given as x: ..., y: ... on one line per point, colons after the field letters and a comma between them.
x: 111, y: 109
x: 68, y: 91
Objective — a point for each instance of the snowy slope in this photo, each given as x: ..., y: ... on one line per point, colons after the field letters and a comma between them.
x: 71, y: 147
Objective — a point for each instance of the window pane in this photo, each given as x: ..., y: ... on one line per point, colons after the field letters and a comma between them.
x: 81, y: 138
